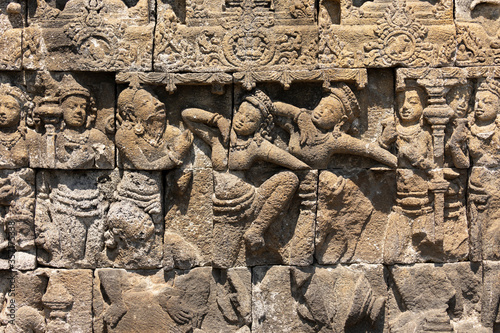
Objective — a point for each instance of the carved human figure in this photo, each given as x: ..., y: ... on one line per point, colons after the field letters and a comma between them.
x: 411, y: 223
x: 70, y: 142
x: 481, y: 140
x: 317, y: 135
x: 237, y: 202
x: 134, y: 222
x: 144, y: 138
x: 13, y: 148
x: 70, y: 220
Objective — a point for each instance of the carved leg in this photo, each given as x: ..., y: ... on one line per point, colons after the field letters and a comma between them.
x: 94, y: 243
x: 397, y: 238
x: 272, y: 196
x: 111, y: 280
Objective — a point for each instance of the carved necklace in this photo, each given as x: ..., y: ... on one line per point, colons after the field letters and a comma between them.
x: 78, y: 139
x: 154, y: 142
x: 239, y: 147
x: 483, y: 133
x: 10, y: 140
x: 408, y: 131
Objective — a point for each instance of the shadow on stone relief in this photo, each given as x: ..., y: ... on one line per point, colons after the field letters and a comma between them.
x: 314, y: 299
x: 199, y: 300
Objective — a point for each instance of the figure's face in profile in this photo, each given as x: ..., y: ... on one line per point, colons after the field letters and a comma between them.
x: 75, y: 111
x: 148, y: 107
x: 486, y: 107
x: 329, y: 115
x: 411, y: 108
x: 10, y: 111
x: 247, y: 119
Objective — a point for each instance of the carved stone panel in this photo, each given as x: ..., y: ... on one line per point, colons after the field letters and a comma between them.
x: 99, y: 219
x: 197, y: 300
x: 319, y: 299
x: 70, y: 217
x: 185, y: 127
x: 47, y: 300
x: 241, y: 35
x: 386, y: 33
x: 429, y: 297
x: 12, y: 22
x: 267, y: 221
x: 102, y: 35
x: 477, y: 33
x: 71, y: 124
x: 133, y: 231
x: 353, y: 210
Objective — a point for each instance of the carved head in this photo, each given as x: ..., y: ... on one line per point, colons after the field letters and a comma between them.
x: 411, y: 104
x: 76, y: 103
x: 140, y: 106
x: 487, y: 102
x: 342, y: 108
x: 254, y: 115
x: 13, y: 105
x: 458, y: 99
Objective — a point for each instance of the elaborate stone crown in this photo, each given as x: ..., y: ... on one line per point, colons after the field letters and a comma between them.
x: 17, y: 93
x: 348, y: 99
x: 69, y: 87
x: 490, y: 85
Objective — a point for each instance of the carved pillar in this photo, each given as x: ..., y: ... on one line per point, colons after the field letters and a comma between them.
x: 50, y: 113
x: 438, y: 114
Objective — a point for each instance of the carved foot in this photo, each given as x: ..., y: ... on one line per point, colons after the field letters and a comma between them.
x: 114, y: 313
x: 254, y: 240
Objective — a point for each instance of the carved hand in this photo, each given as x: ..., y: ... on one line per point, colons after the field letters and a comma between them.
x: 114, y: 313
x: 177, y: 311
x: 460, y: 135
x: 389, y: 133
x: 307, y: 128
x: 224, y: 127
x: 182, y: 144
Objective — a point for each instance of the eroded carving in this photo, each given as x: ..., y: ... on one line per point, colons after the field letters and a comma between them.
x: 241, y: 35
x: 70, y: 218
x: 49, y: 300
x: 104, y: 35
x: 199, y: 300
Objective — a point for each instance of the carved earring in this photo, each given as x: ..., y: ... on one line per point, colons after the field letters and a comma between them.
x: 138, y: 129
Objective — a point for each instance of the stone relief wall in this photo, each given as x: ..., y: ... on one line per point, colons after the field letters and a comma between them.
x: 249, y: 166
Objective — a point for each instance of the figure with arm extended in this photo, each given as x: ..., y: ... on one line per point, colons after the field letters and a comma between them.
x: 316, y: 135
x: 144, y: 138
x: 236, y: 201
